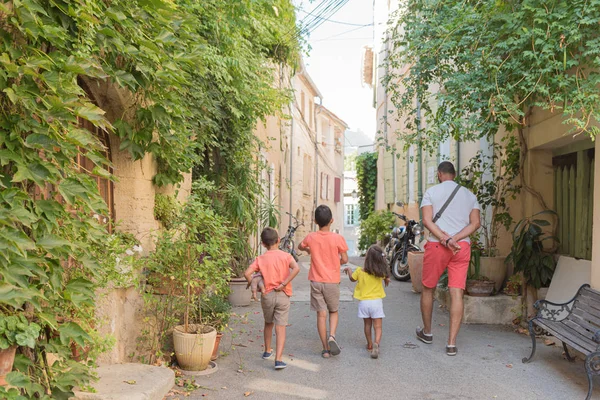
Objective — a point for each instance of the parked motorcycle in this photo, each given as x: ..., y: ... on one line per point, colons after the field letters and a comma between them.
x: 402, y: 240
x: 287, y: 241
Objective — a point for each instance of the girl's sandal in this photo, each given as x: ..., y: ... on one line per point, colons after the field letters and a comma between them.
x: 369, y: 348
x: 325, y: 354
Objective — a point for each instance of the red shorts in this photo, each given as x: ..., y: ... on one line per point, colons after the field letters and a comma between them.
x: 437, y: 258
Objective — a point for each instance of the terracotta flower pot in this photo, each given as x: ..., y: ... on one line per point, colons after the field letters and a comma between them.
x: 494, y: 268
x: 477, y: 288
x: 415, y: 266
x: 7, y: 359
x: 239, y: 295
x: 215, y: 353
x: 194, y: 350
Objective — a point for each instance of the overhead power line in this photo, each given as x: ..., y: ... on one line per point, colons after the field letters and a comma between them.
x: 333, y: 21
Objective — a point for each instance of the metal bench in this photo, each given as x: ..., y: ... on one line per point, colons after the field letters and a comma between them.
x: 576, y: 323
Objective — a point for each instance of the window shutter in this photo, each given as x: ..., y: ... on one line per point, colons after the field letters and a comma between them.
x: 337, y: 190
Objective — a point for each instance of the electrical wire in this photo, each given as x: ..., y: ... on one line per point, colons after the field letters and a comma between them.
x: 343, y: 33
x: 331, y: 20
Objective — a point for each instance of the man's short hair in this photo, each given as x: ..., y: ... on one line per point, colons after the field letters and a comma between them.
x: 269, y: 236
x: 446, y: 167
x: 323, y: 215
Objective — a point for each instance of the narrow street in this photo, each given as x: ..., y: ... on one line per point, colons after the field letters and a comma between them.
x: 488, y: 365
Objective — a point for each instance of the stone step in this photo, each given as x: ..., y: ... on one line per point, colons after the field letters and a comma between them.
x: 131, y: 382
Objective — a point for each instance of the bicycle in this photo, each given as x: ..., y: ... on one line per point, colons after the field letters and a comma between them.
x: 287, y: 241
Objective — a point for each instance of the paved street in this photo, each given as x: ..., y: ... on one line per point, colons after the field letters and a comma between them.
x: 488, y: 365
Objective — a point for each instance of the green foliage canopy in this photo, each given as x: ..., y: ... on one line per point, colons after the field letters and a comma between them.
x: 194, y: 77
x: 374, y: 228
x: 366, y: 176
x: 493, y: 61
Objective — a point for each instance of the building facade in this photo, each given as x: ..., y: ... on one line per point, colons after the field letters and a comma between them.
x: 304, y: 157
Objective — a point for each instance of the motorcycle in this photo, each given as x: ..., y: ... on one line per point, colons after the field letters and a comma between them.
x: 287, y: 241
x: 401, y: 241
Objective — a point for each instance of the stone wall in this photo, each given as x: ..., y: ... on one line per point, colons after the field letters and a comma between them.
x: 120, y: 311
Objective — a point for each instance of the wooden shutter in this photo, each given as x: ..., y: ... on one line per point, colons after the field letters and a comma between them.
x: 337, y: 190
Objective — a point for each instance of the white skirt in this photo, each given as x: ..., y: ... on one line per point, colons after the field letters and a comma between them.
x: 371, y: 309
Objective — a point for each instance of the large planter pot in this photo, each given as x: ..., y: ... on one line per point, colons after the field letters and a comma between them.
x: 215, y: 353
x: 7, y: 359
x: 194, y: 350
x: 479, y: 288
x: 495, y: 269
x: 415, y: 266
x: 240, y: 294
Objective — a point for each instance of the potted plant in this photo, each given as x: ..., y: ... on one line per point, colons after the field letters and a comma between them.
x: 528, y: 254
x: 491, y: 178
x: 14, y: 331
x: 216, y: 311
x: 194, y: 256
x: 513, y: 285
x: 478, y: 285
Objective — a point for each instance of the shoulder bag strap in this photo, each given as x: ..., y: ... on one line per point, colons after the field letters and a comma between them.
x: 438, y: 215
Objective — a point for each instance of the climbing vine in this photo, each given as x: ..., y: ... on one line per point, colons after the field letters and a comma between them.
x: 194, y: 75
x: 366, y: 176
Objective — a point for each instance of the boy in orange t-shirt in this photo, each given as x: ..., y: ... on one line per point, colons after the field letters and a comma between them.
x: 328, y: 251
x: 274, y: 266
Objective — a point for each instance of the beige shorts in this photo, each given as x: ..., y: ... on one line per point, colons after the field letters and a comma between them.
x: 276, y: 307
x: 324, y: 296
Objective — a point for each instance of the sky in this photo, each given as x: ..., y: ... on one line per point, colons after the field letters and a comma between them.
x: 334, y: 62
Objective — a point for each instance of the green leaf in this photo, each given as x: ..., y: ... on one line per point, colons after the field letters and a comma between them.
x: 72, y: 331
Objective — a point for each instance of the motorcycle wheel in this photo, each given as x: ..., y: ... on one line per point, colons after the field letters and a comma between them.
x: 399, y: 267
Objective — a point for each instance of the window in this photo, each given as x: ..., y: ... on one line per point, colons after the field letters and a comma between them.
x: 307, y: 175
x: 337, y: 190
x: 351, y: 214
x: 324, y: 186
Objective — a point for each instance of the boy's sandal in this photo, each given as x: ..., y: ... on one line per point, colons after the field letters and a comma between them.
x: 334, y: 347
x: 325, y: 354
x: 451, y: 350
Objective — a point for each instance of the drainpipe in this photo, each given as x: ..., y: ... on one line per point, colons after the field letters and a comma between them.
x: 420, y: 160
x: 385, y: 123
x: 316, y: 204
x: 291, y: 165
x: 458, y: 157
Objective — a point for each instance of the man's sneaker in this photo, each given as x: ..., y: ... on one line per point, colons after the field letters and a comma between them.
x: 451, y: 350
x: 423, y: 337
x: 267, y: 354
x: 280, y: 365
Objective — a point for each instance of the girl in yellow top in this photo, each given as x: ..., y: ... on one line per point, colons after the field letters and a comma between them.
x: 369, y: 290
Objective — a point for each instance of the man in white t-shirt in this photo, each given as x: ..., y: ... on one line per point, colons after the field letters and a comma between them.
x: 448, y: 247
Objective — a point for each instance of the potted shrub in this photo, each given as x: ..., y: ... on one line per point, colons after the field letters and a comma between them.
x: 478, y: 285
x: 194, y: 256
x: 14, y: 331
x: 528, y: 254
x: 491, y: 178
x: 216, y: 311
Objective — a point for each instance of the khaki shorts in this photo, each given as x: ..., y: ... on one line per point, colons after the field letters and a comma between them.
x: 324, y: 296
x: 276, y: 307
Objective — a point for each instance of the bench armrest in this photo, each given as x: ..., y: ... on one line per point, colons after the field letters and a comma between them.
x: 557, y: 311
x: 553, y: 311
